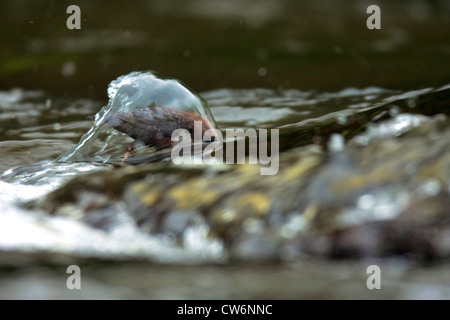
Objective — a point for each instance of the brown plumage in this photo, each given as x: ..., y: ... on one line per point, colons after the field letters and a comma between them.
x: 153, y: 126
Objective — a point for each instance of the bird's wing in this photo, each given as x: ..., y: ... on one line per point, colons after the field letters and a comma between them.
x: 149, y: 122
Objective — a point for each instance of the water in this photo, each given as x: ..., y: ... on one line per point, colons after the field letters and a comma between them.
x: 185, y: 236
x: 127, y: 94
x: 48, y: 214
x: 364, y: 151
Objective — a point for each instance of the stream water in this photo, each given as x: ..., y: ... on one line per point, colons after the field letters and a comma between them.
x: 364, y: 152
x: 48, y: 215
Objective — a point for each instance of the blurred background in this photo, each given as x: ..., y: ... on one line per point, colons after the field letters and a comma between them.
x: 384, y: 194
x: 209, y: 44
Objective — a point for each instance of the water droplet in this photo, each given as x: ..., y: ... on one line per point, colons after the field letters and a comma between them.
x: 394, y: 110
x: 411, y: 103
x: 338, y: 50
x: 186, y: 53
x: 366, y: 201
x: 336, y: 143
x: 56, y: 126
x: 262, y: 72
x: 342, y: 120
x: 68, y: 69
x: 430, y: 188
x: 48, y: 103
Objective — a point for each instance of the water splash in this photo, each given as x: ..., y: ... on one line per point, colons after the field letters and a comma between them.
x: 22, y: 184
x: 394, y: 127
x: 22, y: 231
x: 126, y: 94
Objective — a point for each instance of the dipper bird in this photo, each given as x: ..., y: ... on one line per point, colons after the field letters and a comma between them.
x: 153, y: 126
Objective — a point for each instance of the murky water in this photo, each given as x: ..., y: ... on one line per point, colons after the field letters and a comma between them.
x: 364, y: 165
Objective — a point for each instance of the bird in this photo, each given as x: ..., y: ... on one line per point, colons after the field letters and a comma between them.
x: 153, y: 126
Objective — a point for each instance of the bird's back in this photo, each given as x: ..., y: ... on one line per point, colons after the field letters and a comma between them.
x: 155, y: 124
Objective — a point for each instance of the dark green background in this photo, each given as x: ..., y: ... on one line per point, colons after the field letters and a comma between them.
x: 210, y: 44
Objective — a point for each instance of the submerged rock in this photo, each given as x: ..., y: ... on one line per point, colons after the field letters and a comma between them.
x: 371, y: 181
x: 386, y: 197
